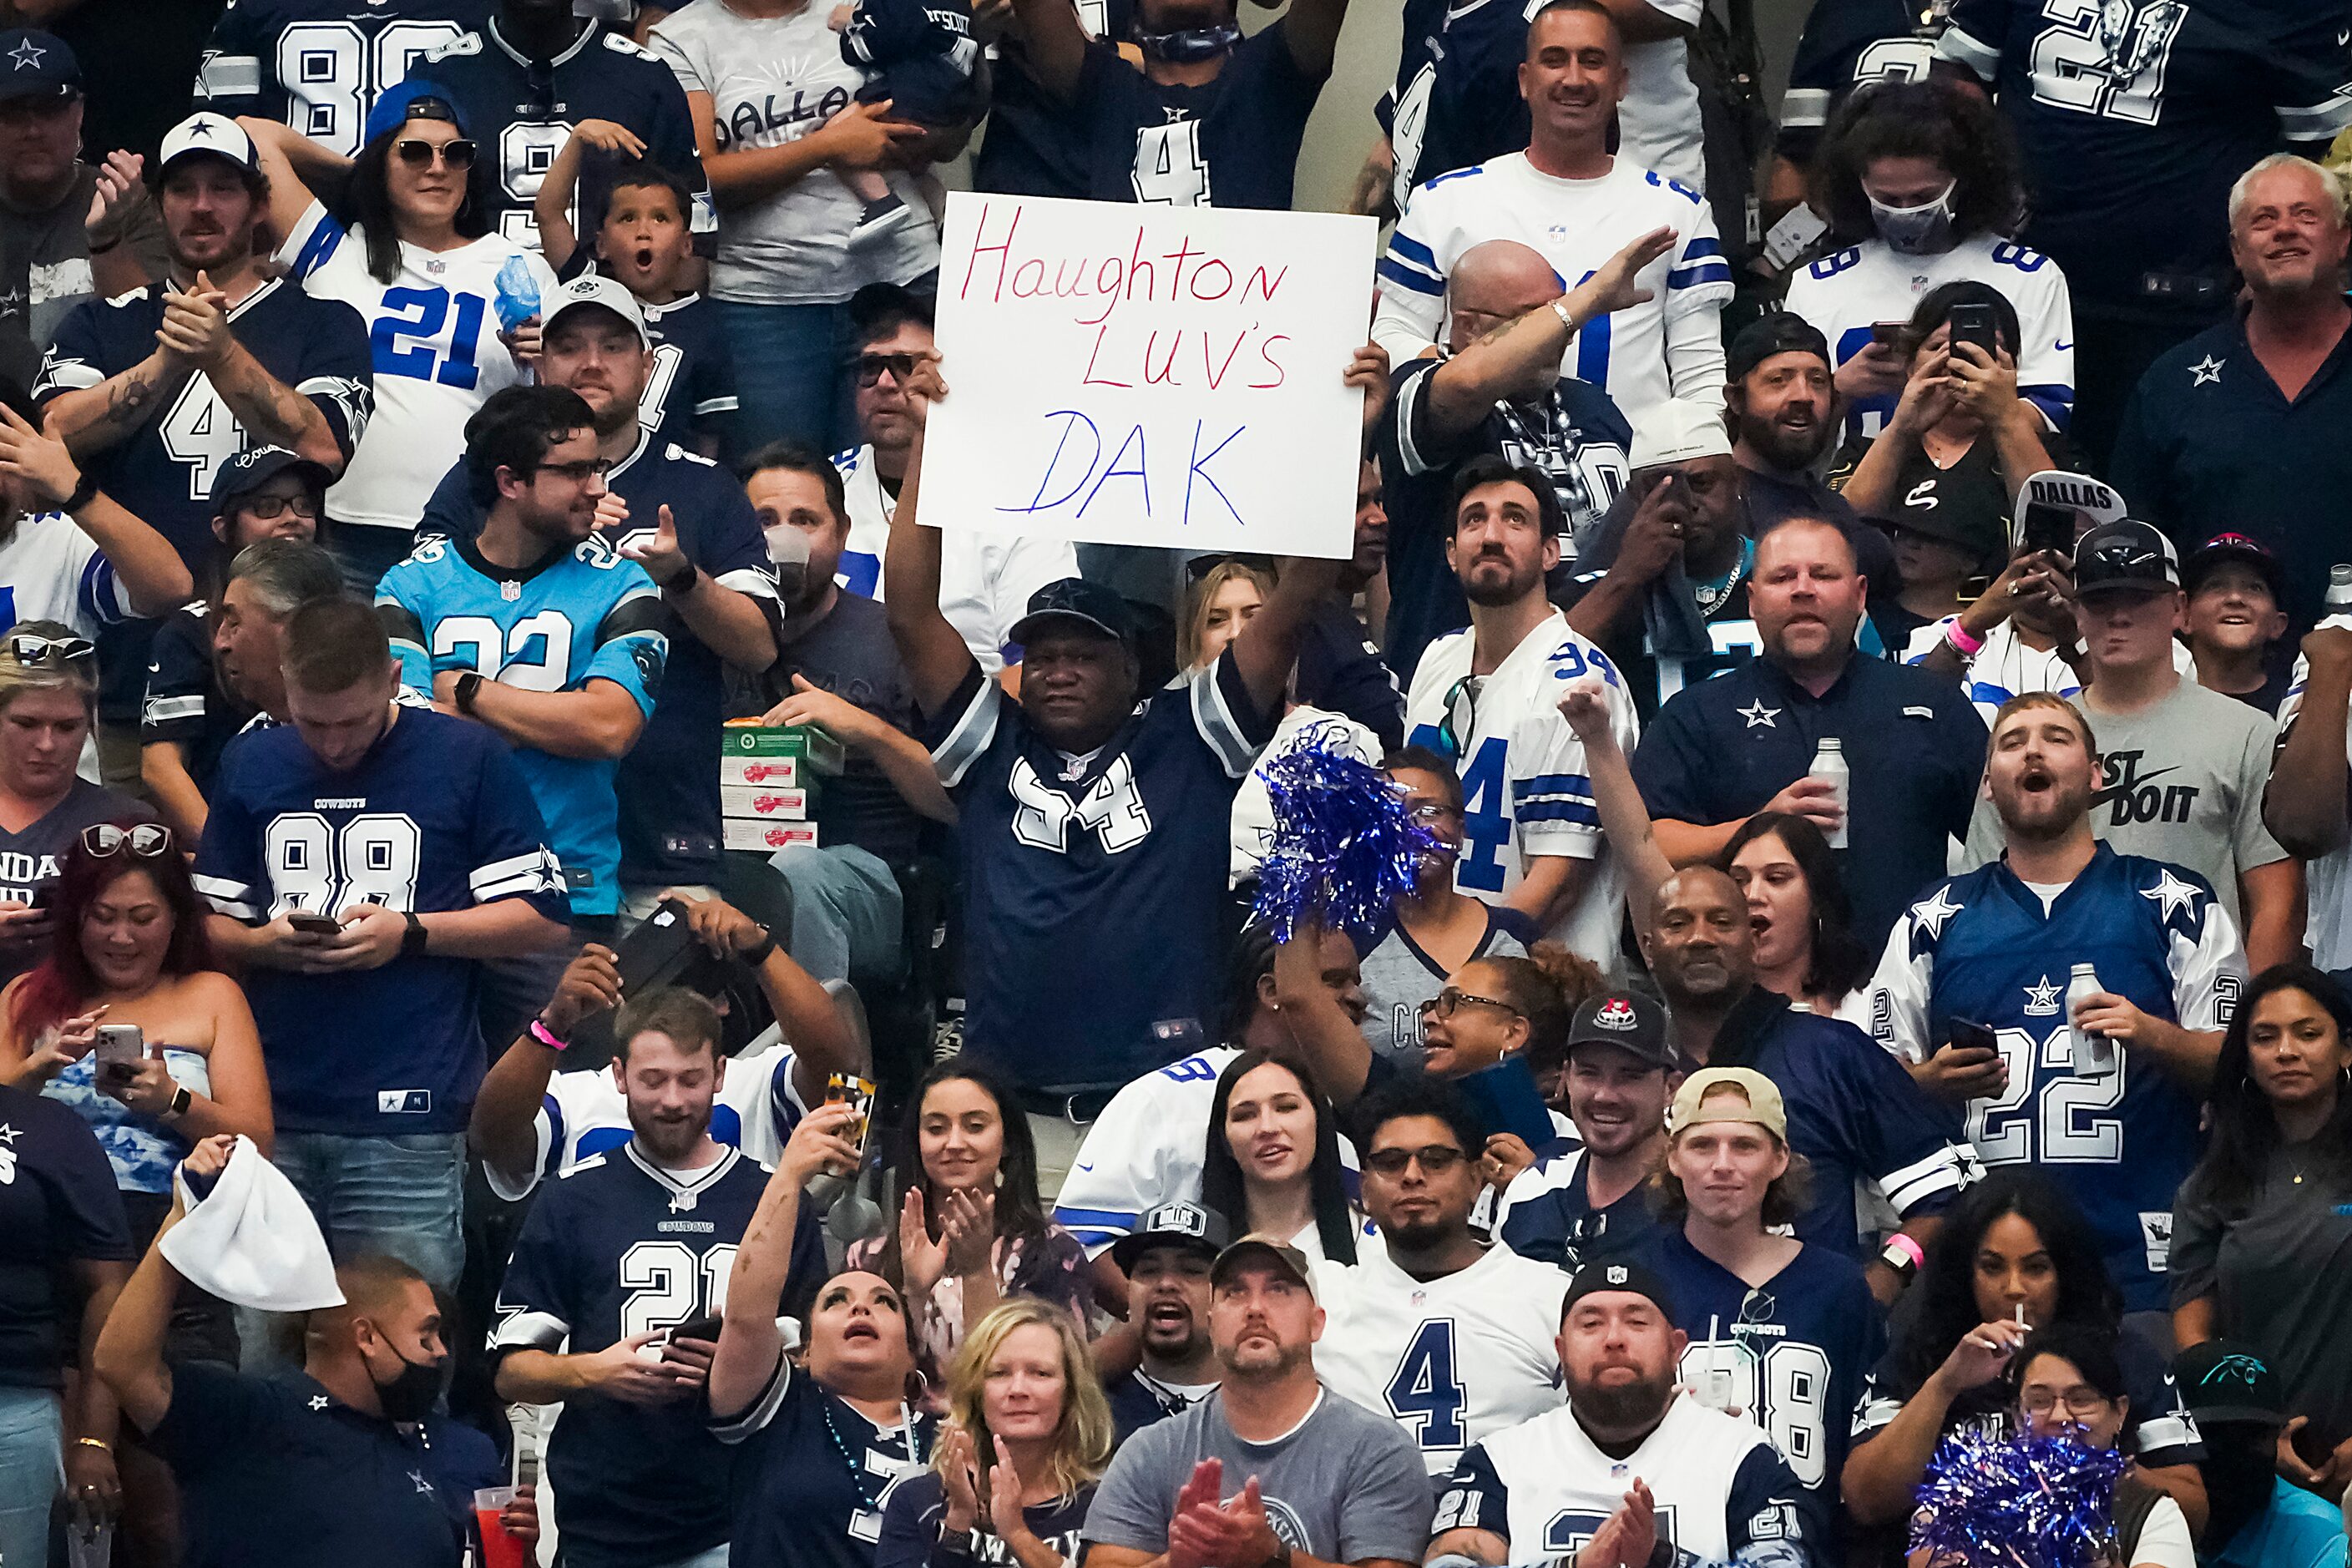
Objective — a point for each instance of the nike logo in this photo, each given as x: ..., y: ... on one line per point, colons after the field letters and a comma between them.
x: 2062, y: 345
x: 1085, y: 1167
x: 2127, y: 786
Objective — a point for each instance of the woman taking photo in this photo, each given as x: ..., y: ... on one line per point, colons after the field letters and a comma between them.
x: 827, y: 1428
x: 418, y: 262
x: 2013, y: 1257
x: 2262, y: 1241
x: 971, y: 1228
x: 1027, y: 1438
x: 1272, y: 1165
x: 1805, y: 945
x: 2068, y: 1381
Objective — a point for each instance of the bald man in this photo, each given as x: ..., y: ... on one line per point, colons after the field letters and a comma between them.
x: 334, y: 1458
x: 1853, y: 1113
x: 1497, y: 387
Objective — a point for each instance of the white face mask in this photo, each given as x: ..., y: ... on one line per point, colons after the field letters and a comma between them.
x: 1922, y: 230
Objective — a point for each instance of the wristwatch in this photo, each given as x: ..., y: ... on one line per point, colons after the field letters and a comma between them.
x: 469, y: 685
x: 181, y: 1101
x: 412, y: 940
x: 758, y: 955
x: 681, y: 582
x: 83, y: 493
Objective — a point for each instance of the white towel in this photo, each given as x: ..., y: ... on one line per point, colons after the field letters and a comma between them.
x: 253, y: 1242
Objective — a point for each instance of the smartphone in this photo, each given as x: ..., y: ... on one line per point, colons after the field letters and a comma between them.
x: 1975, y: 588
x: 1890, y: 334
x: 705, y: 1328
x: 857, y: 1093
x: 120, y: 1045
x: 1973, y: 324
x: 1971, y: 1037
x: 313, y: 922
x: 2047, y: 527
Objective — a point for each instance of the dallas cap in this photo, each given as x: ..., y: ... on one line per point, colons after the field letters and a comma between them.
x: 206, y: 132
x: 34, y: 63
x: 1076, y: 599
x: 240, y: 475
x: 1172, y: 1224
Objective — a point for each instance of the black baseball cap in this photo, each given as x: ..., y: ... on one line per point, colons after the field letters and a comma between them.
x: 2233, y: 550
x: 2125, y: 553
x: 34, y: 63
x: 1924, y: 510
x: 1627, y: 1020
x: 2225, y: 1380
x: 1184, y: 1225
x: 1609, y: 1276
x: 1775, y: 332
x: 1076, y: 599
x: 247, y: 471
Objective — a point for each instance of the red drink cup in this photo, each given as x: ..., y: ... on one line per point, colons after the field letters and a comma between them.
x: 500, y: 1548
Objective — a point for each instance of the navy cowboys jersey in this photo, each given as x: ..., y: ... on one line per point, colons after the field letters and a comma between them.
x: 435, y: 816
x: 1032, y: 145
x: 1229, y: 142
x: 1547, y: 1214
x: 602, y: 76
x: 1982, y: 948
x: 1793, y: 1353
x: 2135, y: 116
x: 1112, y: 864
x: 816, y: 1475
x: 1722, y: 1493
x: 582, y: 614
x: 618, y: 1247
x: 164, y: 472
x: 691, y: 389
x: 317, y: 65
x: 1848, y: 44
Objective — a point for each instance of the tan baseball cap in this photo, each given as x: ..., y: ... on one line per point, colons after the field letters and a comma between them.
x: 1259, y: 1245
x: 1738, y: 1094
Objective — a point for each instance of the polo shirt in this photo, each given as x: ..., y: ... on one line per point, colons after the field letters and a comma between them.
x: 1720, y: 749
x: 277, y: 1469
x: 2210, y: 444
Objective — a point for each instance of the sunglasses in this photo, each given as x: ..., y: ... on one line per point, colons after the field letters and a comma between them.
x: 1436, y: 1159
x: 147, y: 839
x: 900, y: 366
x: 1448, y: 1002
x: 1461, y: 716
x: 419, y: 154
x: 31, y: 648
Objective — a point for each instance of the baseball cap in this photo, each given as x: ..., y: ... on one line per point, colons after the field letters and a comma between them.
x: 246, y: 472
x: 2094, y: 500
x: 206, y: 132
x: 1678, y: 432
x: 1759, y: 1104
x: 1076, y: 599
x: 1172, y: 1224
x: 1924, y: 510
x: 34, y: 63
x: 413, y: 98
x: 597, y: 290
x: 1774, y: 332
x: 1257, y: 1246
x: 2224, y: 1379
x: 1610, y: 1275
x: 2125, y: 555
x: 1627, y: 1020
x: 2233, y: 550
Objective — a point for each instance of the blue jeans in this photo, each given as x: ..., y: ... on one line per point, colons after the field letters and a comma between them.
x: 791, y: 372
x: 32, y: 1472
x: 847, y: 912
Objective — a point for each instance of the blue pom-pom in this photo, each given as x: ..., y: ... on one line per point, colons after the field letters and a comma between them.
x: 2018, y: 1502
x: 1345, y: 845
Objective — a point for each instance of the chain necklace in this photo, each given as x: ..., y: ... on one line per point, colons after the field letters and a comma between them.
x: 1712, y: 593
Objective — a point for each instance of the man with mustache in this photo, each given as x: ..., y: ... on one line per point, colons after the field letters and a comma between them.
x: 1167, y: 1258
x: 1485, y: 700
x: 1743, y: 742
x: 1706, y: 1487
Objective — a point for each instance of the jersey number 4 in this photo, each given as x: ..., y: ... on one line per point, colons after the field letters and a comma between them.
x: 1168, y: 168
x: 1426, y: 1394
x: 668, y: 1283
x: 2045, y: 1102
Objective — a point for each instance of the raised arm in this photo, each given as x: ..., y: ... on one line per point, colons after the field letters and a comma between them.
x: 552, y: 206
x: 277, y: 146
x: 729, y: 622
x: 502, y: 1130
x: 1624, y: 819
x: 129, y: 1353
x: 2304, y: 806
x: 1311, y: 28
x: 1055, y: 44
x: 155, y: 579
x: 935, y: 654
x: 1336, y: 1050
x: 823, y: 1042
x: 749, y: 1339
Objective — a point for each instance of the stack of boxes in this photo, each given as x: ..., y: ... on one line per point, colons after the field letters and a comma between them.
x: 768, y: 783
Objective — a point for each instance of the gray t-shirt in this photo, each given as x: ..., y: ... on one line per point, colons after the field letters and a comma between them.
x: 1344, y: 1484
x: 1399, y: 977
x: 45, y: 267
x: 2181, y: 781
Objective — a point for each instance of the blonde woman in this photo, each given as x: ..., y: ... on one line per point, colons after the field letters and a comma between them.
x: 1028, y: 1434
x: 1216, y: 608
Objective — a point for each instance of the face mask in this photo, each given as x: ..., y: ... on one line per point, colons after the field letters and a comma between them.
x: 1922, y: 230
x: 1187, y: 45
x: 409, y: 1396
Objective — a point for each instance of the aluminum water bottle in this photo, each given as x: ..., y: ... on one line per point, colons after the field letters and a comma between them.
x: 518, y: 294
x: 2095, y: 1055
x: 1829, y: 765
x: 2339, y: 589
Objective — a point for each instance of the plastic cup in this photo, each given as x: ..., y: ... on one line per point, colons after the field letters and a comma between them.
x: 500, y: 1548
x: 90, y: 1545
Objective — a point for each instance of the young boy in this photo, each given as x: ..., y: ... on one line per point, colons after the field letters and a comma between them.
x: 646, y: 245
x: 2235, y: 587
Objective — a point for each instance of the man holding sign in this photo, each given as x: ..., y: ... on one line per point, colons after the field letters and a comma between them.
x: 1096, y: 825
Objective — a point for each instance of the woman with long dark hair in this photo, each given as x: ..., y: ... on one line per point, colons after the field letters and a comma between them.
x: 2013, y: 1257
x: 1797, y: 904
x: 1272, y: 1163
x: 971, y: 1228
x: 410, y: 247
x: 2262, y: 1241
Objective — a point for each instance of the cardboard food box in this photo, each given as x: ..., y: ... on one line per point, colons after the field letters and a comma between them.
x: 765, y: 836
x: 766, y: 772
x: 761, y: 803
x: 744, y: 738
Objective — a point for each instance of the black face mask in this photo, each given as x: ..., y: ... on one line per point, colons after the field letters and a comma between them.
x: 1188, y: 46
x: 2238, y: 1475
x: 409, y: 1396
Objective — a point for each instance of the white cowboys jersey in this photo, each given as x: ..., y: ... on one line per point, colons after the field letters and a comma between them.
x: 1143, y: 1150
x: 1524, y: 785
x: 1454, y: 1361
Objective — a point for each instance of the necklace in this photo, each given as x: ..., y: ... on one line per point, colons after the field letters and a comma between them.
x: 1711, y: 594
x: 858, y: 1474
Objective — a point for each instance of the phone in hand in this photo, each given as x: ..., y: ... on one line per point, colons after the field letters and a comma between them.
x: 121, y: 1047
x: 2047, y: 528
x: 1973, y: 323
x: 1968, y: 1035
x: 857, y: 1093
x: 314, y: 922
x: 705, y: 1328
x: 1890, y: 334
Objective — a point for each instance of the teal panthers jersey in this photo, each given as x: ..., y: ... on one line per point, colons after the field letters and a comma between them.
x: 584, y: 614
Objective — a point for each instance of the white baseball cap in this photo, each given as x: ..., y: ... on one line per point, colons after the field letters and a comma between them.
x: 1678, y: 432
x: 208, y: 132
x: 593, y: 289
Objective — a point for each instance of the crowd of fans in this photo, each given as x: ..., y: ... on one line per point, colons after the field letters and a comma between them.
x: 1853, y: 604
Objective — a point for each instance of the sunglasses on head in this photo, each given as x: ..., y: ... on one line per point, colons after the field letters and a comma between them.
x: 147, y: 839
x: 32, y: 648
x: 419, y: 154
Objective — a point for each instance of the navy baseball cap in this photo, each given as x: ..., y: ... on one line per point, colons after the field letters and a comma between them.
x: 1172, y: 1224
x: 248, y: 471
x: 413, y: 98
x: 2233, y: 550
x: 2125, y: 553
x: 34, y: 63
x: 1609, y: 1276
x: 1076, y: 599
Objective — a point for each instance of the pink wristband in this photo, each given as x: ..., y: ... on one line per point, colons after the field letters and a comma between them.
x: 1907, y: 1247
x: 1956, y: 634
x: 546, y: 1037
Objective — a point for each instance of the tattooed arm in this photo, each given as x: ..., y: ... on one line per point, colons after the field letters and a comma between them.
x: 90, y: 419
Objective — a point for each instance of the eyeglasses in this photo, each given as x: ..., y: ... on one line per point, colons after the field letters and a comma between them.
x: 1431, y: 811
x: 1436, y: 1159
x: 580, y: 472
x: 2082, y: 1400
x: 419, y: 153
x: 900, y: 366
x: 32, y: 648
x: 269, y: 509
x: 1448, y: 1002
x: 147, y: 839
